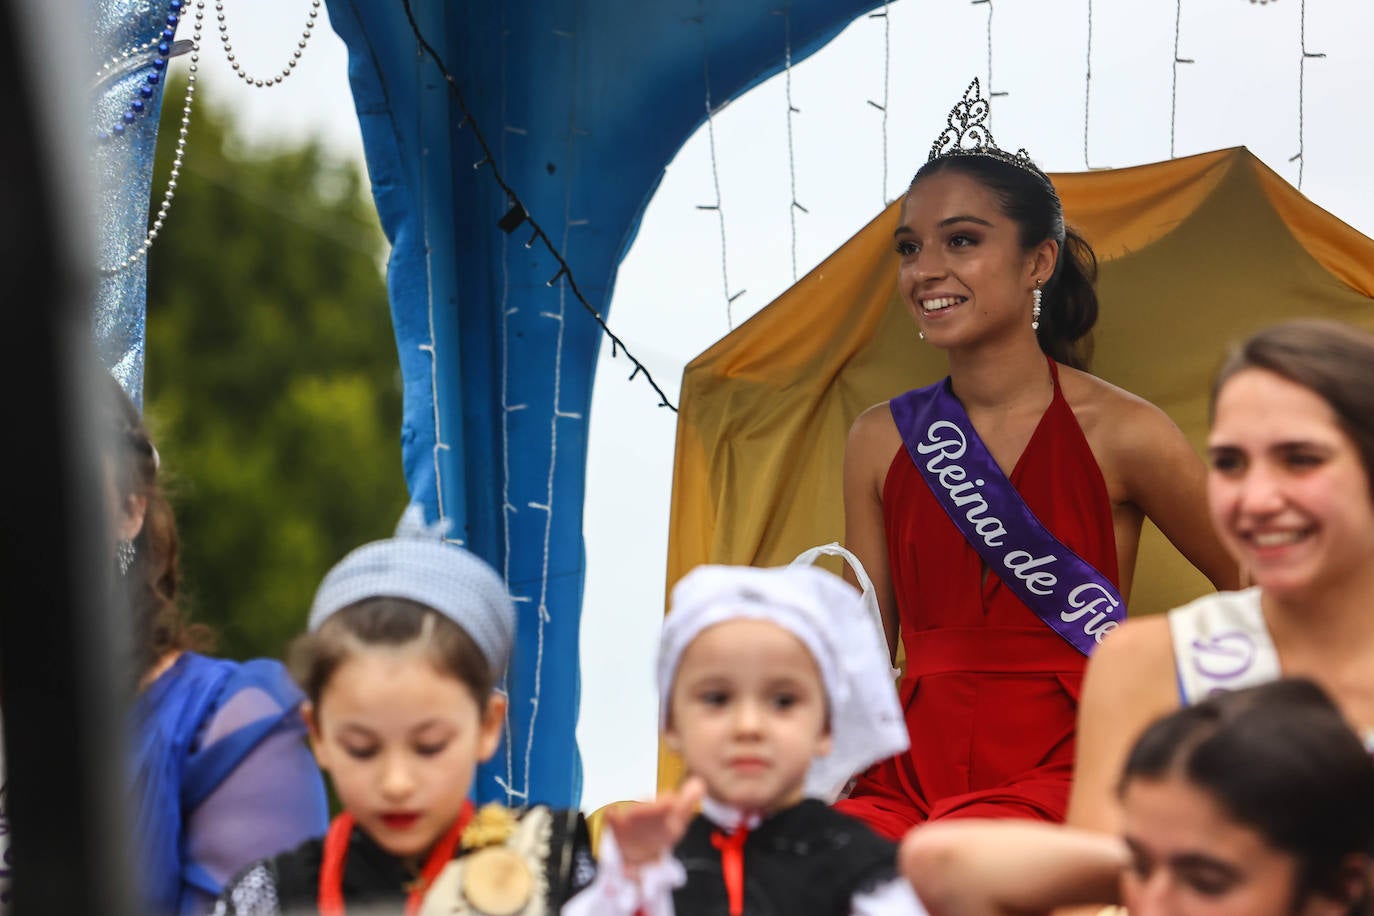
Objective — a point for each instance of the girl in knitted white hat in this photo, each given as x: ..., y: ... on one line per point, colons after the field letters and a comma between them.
x: 407, y: 639
x: 772, y: 688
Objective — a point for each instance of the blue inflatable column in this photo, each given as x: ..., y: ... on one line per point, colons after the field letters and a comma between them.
x: 580, y: 103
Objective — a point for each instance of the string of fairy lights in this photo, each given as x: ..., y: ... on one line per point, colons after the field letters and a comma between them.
x: 887, y: 86
x: 1088, y: 86
x: 519, y: 214
x: 792, y: 109
x: 1304, y: 56
x: 717, y: 207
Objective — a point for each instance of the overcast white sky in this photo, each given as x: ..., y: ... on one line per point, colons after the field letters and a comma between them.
x: 670, y: 304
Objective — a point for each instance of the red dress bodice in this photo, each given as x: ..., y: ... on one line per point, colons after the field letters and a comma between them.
x: 990, y: 692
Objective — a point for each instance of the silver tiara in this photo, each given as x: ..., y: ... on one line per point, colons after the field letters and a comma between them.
x: 968, y: 134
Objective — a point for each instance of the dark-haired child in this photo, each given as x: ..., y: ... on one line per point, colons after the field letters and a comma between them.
x: 407, y: 640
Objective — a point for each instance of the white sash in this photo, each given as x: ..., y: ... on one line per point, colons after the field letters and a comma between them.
x: 1221, y: 643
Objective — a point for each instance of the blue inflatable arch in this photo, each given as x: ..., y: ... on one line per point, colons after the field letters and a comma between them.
x: 581, y: 104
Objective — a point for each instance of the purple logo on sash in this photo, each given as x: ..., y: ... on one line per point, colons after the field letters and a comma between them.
x: 1225, y: 656
x: 1065, y: 591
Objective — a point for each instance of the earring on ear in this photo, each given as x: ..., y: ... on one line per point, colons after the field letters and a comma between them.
x: 1035, y: 309
x: 921, y: 335
x: 124, y: 555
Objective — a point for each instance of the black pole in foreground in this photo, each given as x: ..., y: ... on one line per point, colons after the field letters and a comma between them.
x: 62, y: 687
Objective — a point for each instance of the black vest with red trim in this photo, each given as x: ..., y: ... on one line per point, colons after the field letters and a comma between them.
x: 377, y: 882
x: 807, y: 859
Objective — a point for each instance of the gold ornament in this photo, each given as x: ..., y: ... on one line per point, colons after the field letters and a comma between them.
x: 491, y: 825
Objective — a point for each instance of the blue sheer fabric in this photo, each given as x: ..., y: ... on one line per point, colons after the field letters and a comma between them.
x: 203, y: 728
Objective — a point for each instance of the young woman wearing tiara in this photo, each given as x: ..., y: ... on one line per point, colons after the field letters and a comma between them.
x: 407, y: 640
x: 998, y: 512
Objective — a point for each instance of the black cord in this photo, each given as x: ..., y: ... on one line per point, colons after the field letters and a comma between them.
x: 564, y: 270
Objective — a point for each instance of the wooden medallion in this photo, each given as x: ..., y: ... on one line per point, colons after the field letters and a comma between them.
x: 497, y: 881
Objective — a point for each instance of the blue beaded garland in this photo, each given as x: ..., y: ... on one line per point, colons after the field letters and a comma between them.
x: 164, y: 50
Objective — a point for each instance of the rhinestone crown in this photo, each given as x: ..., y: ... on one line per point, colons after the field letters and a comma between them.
x: 968, y: 134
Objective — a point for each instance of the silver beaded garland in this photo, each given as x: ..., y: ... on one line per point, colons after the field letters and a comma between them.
x: 179, y: 155
x: 119, y: 59
x: 275, y: 80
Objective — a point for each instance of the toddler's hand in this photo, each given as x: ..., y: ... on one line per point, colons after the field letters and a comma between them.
x: 645, y: 832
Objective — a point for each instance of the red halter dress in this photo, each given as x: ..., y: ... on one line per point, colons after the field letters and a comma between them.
x: 990, y: 691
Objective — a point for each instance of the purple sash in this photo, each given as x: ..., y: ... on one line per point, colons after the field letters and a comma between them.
x: 1074, y: 599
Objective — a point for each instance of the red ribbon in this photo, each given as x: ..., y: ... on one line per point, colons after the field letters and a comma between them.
x: 731, y: 848
x: 335, y: 855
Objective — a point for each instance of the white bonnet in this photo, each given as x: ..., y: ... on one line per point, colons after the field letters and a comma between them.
x: 829, y: 617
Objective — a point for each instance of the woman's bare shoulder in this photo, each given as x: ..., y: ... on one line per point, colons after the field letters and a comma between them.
x: 1112, y: 415
x: 1133, y: 668
x: 1141, y: 642
x: 874, y: 428
x: 1090, y: 392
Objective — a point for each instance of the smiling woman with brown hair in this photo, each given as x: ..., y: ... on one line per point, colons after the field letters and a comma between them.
x: 1291, y: 449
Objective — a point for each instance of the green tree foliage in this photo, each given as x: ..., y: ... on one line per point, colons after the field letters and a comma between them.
x: 272, y: 382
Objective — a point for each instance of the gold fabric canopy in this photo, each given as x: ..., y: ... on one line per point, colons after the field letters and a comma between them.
x: 1194, y: 253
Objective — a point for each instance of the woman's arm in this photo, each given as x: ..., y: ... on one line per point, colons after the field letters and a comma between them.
x: 1167, y: 480
x: 995, y: 868
x: 271, y: 801
x: 1130, y: 682
x: 872, y: 442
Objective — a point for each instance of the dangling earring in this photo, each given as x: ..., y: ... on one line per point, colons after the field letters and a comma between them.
x: 921, y: 335
x: 124, y: 555
x: 1035, y: 309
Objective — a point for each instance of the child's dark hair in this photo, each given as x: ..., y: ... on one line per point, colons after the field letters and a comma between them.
x: 1281, y: 760
x: 395, y: 623
x: 1069, y: 304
